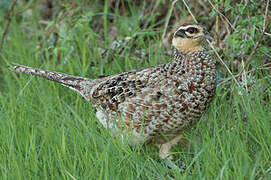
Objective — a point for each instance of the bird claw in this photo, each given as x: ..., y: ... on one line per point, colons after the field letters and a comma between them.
x: 173, y: 166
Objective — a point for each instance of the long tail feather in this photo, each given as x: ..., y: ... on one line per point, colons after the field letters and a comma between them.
x: 72, y: 82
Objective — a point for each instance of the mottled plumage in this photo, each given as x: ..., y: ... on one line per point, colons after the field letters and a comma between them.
x: 154, y: 104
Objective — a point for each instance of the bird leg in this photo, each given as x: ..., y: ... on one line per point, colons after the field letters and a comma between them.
x: 165, y: 149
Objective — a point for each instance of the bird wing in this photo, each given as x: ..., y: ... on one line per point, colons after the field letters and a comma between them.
x: 113, y: 90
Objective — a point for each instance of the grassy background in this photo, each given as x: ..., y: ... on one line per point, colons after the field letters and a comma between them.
x: 50, y: 132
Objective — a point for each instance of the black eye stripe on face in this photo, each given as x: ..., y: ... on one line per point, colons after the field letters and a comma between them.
x: 192, y: 30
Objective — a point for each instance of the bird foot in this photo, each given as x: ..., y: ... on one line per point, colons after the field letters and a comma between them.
x: 165, y: 154
x: 172, y: 165
x: 165, y: 149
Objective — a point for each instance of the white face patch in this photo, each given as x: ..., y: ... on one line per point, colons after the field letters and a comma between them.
x: 189, y: 34
x: 188, y: 26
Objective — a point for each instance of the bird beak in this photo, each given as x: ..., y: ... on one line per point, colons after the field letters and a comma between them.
x: 180, y: 33
x: 208, y: 35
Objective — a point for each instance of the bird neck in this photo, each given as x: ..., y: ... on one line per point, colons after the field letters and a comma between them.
x: 180, y: 55
x: 182, y: 59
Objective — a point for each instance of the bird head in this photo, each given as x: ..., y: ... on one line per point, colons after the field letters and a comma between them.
x: 188, y: 38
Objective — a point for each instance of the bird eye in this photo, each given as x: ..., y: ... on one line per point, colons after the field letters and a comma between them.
x: 192, y: 30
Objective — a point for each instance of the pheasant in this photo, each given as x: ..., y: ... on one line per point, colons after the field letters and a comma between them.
x: 155, y: 104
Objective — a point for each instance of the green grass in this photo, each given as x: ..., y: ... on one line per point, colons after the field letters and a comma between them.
x: 49, y: 132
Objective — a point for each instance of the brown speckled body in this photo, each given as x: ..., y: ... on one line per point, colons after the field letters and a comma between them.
x: 145, y: 105
x: 163, y: 99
